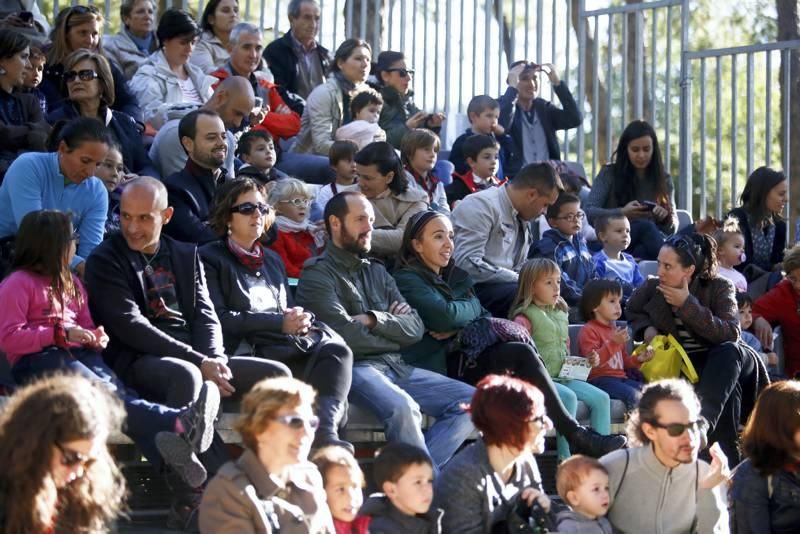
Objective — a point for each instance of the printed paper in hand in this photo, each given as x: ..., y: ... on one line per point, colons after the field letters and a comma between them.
x: 576, y: 368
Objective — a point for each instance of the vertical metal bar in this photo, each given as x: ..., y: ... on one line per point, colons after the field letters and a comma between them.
x: 403, y: 26
x: 750, y: 124
x: 768, y: 156
x: 246, y: 9
x: 718, y: 141
x: 106, y: 15
x: 461, y: 45
x: 734, y: 125
x: 539, y: 16
x: 703, y: 185
x: 513, y: 52
x: 447, y: 56
x: 500, y: 46
x: 390, y: 29
x: 376, y: 33
x: 596, y: 98
x: 609, y: 87
x: 568, y: 33
x: 348, y: 26
x: 653, y: 47
x: 435, y: 56
x: 625, y: 88
x: 487, y: 39
x: 414, y: 36
x: 554, y: 34
x: 668, y: 96
x: 685, y: 155
x: 638, y: 62
x: 527, y: 26
x: 474, y: 46
x: 56, y: 9
x: 261, y: 15
x: 425, y: 70
x: 278, y: 17
x: 362, y: 30
x: 581, y: 74
x: 787, y: 117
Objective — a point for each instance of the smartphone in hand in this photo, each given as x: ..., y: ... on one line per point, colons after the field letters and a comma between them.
x: 649, y: 205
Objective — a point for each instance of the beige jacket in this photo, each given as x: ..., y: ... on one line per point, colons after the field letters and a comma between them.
x: 392, y: 213
x: 244, y: 498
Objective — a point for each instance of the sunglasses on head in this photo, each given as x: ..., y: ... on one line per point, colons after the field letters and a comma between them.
x: 86, y: 75
x: 404, y: 73
x: 296, y: 422
x: 297, y: 202
x: 80, y: 10
x: 677, y: 429
x: 248, y: 208
x: 71, y: 458
x: 680, y: 242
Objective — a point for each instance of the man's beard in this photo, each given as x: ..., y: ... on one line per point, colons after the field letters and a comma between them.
x: 352, y: 243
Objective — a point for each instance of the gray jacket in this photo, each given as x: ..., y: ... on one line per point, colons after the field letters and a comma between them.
x: 121, y: 49
x: 486, y: 227
x: 387, y: 519
x: 570, y: 522
x: 338, y: 284
x: 655, y: 499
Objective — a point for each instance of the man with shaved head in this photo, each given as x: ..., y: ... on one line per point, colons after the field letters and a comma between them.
x: 149, y: 292
x: 233, y: 101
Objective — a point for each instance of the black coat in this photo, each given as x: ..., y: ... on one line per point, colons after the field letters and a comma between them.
x: 28, y: 136
x: 282, y: 62
x: 118, y: 301
x: 191, y: 192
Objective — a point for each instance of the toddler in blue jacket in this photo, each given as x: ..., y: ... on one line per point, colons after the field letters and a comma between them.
x: 611, y: 263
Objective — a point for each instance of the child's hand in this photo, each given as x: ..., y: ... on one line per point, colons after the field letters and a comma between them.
x: 647, y: 355
x: 498, y: 130
x: 439, y: 336
x: 621, y: 335
x: 772, y: 359
x: 101, y: 338
x: 76, y: 334
x: 593, y: 358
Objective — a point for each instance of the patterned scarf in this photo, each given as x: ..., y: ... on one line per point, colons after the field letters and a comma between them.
x: 252, y: 260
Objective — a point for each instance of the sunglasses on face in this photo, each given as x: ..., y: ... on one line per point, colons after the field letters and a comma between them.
x: 677, y: 429
x: 248, y: 208
x: 296, y: 422
x: 71, y: 458
x: 297, y: 202
x: 404, y: 73
x: 85, y: 75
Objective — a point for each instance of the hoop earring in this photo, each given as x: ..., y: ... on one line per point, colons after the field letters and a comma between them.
x: 229, y: 230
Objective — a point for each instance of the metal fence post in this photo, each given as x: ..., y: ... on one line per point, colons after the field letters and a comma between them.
x: 685, y: 147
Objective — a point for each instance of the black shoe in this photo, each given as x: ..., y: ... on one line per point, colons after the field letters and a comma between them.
x: 198, y: 419
x: 184, y: 516
x: 587, y: 441
x: 178, y: 455
x: 331, y: 413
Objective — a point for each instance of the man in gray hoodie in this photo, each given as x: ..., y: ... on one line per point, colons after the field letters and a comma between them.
x: 661, y: 486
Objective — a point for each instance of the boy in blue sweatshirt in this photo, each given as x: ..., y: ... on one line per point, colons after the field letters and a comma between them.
x: 563, y: 244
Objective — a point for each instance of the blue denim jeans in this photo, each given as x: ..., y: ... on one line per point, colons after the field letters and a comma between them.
x: 145, y: 419
x: 596, y: 400
x: 627, y: 390
x: 398, y: 403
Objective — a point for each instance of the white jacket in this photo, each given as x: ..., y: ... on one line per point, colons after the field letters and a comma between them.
x: 209, y: 54
x: 121, y: 49
x: 157, y: 89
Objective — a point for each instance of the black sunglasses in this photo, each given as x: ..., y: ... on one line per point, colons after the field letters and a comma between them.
x: 86, y: 75
x: 295, y: 422
x: 677, y: 429
x: 405, y: 73
x: 70, y: 458
x: 248, y: 208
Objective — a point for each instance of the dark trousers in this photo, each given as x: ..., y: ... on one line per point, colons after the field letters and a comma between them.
x: 723, y: 370
x: 496, y: 297
x: 329, y: 369
x: 646, y: 239
x: 522, y: 361
x: 144, y: 419
x: 177, y: 382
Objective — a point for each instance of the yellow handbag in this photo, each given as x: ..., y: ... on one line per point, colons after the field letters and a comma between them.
x: 670, y: 360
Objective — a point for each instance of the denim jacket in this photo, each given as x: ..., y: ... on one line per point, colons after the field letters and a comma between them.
x: 765, y: 504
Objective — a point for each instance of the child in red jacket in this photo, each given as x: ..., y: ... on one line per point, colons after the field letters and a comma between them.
x: 298, y: 238
x: 344, y: 486
x: 601, y: 307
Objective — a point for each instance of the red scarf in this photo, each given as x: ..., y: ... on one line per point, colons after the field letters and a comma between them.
x: 428, y: 183
x: 252, y: 260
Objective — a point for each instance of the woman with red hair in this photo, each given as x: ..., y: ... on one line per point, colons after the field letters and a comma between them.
x: 484, y: 482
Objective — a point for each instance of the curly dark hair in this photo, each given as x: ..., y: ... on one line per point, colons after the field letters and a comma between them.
x: 59, y: 409
x: 226, y: 197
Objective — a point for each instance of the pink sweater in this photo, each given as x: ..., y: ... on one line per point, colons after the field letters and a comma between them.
x: 614, y: 358
x: 28, y: 318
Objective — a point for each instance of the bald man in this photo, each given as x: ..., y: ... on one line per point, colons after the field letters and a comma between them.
x: 233, y: 101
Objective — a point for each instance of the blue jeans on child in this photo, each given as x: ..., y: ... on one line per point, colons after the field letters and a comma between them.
x: 397, y: 401
x: 145, y: 419
x: 627, y: 390
x: 596, y: 399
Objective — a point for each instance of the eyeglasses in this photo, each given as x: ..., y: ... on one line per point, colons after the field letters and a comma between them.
x: 86, y: 75
x: 572, y: 217
x: 71, y: 458
x: 677, y: 429
x: 296, y: 422
x: 297, y: 202
x: 248, y: 208
x: 404, y: 73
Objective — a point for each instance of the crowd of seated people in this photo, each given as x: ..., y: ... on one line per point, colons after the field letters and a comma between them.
x: 225, y: 219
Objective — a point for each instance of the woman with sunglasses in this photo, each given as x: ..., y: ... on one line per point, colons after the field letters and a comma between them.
x: 399, y: 113
x: 692, y: 303
x: 58, y: 475
x: 272, y: 487
x: 46, y: 327
x: 637, y: 186
x: 766, y: 484
x: 250, y: 292
x: 22, y: 127
x: 136, y: 38
x: 79, y: 27
x: 485, y: 483
x: 89, y: 89
x: 219, y: 18
x: 167, y: 85
x: 328, y: 105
